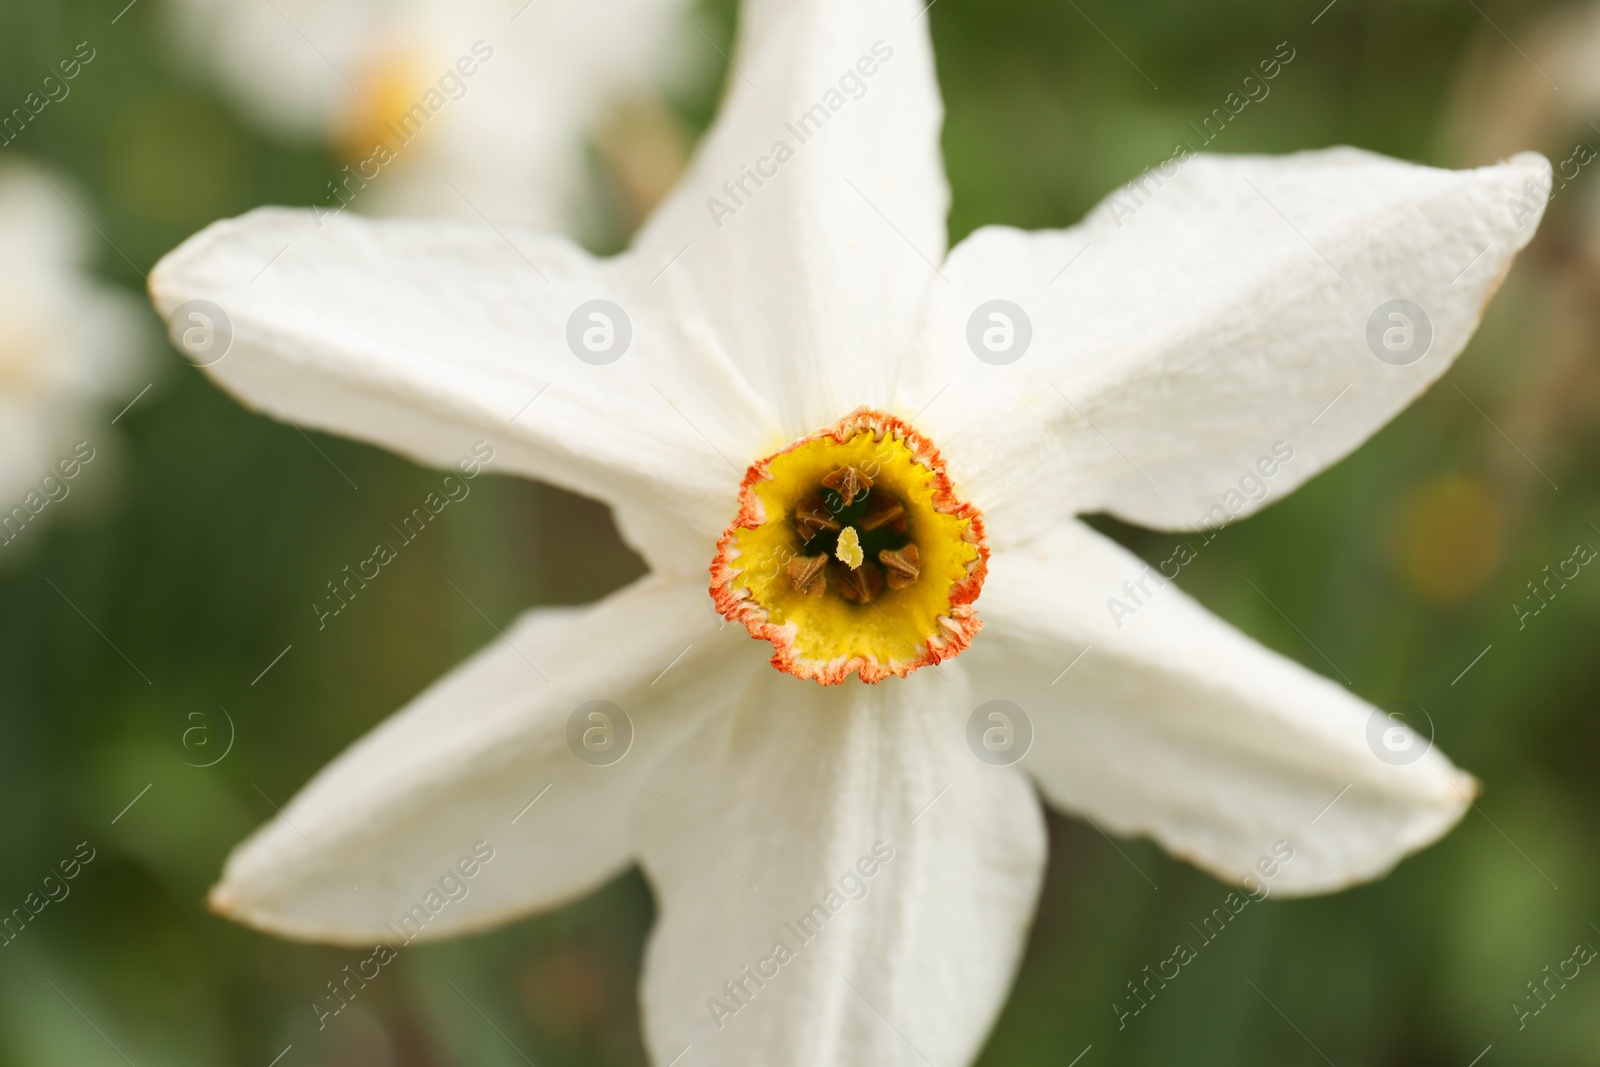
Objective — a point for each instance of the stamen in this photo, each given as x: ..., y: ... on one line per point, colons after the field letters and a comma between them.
x: 882, y: 510
x: 848, y: 482
x: 903, y: 565
x: 813, y: 516
x: 806, y: 574
x: 849, y: 549
x: 861, y: 586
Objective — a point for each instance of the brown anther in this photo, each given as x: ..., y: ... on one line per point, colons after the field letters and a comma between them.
x: 902, y: 565
x: 848, y: 482
x: 883, y: 510
x: 807, y: 574
x: 813, y: 516
x: 860, y: 586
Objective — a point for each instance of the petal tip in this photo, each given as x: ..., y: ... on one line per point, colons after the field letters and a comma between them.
x: 1532, y: 162
x: 1467, y: 788
x: 223, y: 900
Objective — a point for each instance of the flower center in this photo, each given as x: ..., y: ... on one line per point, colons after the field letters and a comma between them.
x: 851, y: 552
x: 389, y: 107
x: 19, y: 370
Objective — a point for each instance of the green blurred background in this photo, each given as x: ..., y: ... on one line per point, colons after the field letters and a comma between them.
x: 198, y: 559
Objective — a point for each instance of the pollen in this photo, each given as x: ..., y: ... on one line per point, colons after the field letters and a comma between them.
x: 849, y: 548
x: 852, y: 553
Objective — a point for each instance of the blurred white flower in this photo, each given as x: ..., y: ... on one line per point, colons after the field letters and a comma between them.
x: 1548, y: 87
x: 512, y: 95
x: 67, y: 342
x: 1545, y: 92
x: 1541, y: 89
x: 844, y: 876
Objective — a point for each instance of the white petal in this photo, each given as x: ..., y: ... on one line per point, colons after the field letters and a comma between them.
x: 1174, y: 346
x: 814, y: 280
x: 484, y: 756
x: 1176, y: 726
x: 760, y: 816
x: 428, y: 337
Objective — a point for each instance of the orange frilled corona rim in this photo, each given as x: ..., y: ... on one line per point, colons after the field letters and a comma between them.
x: 852, y: 553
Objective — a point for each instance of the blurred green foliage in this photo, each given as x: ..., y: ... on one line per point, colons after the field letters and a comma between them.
x: 199, y: 562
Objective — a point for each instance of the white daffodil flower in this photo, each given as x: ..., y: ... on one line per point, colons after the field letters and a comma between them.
x: 446, y: 107
x: 67, y: 347
x: 789, y: 380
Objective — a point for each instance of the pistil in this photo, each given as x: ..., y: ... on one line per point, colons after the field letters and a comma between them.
x: 849, y: 549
